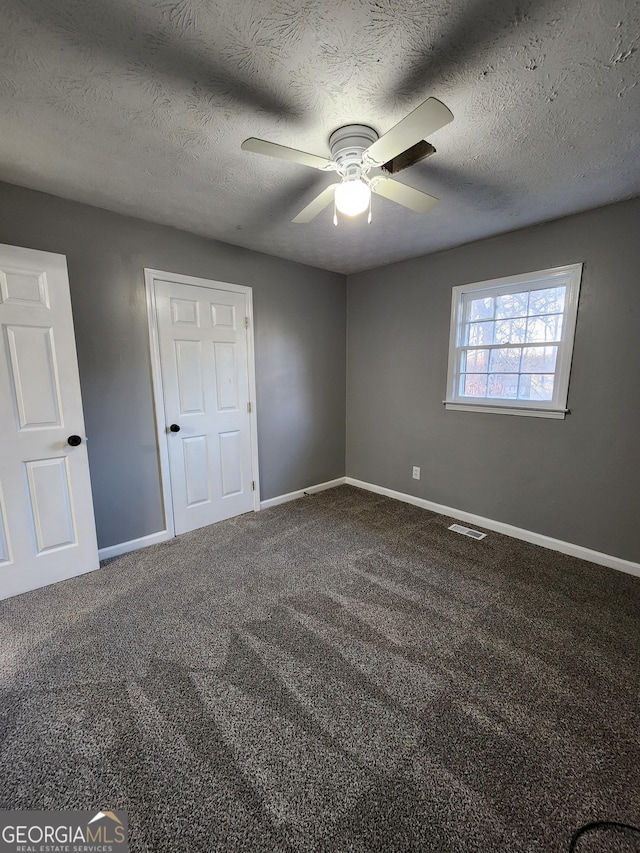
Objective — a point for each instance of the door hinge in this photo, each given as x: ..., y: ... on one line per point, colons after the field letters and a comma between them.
x: 249, y: 408
x: 253, y: 485
x: 246, y: 322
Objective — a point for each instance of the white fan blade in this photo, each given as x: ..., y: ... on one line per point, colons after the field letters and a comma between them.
x: 423, y: 121
x: 272, y: 149
x: 319, y: 203
x: 404, y: 195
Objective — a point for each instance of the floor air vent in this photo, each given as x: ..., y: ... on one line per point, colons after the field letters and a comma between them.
x: 467, y: 531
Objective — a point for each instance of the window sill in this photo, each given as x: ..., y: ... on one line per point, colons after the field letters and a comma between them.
x: 558, y: 414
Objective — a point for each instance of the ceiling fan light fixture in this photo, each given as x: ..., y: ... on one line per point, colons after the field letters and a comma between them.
x: 353, y: 197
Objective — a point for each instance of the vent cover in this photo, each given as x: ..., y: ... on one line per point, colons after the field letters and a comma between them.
x: 467, y: 531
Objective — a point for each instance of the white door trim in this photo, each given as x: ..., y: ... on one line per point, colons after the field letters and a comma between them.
x: 150, y: 278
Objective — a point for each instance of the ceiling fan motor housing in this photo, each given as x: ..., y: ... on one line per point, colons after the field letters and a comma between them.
x: 348, y: 144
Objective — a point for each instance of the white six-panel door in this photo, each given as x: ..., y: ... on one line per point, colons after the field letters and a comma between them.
x: 203, y: 348
x: 47, y: 528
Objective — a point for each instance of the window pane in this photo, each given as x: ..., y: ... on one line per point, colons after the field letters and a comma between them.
x: 505, y: 360
x: 548, y: 301
x: 510, y: 331
x: 512, y: 305
x: 503, y: 385
x: 545, y: 328
x: 480, y: 333
x: 536, y: 386
x: 481, y: 309
x: 474, y: 385
x: 475, y: 361
x: 509, y: 338
x: 539, y: 359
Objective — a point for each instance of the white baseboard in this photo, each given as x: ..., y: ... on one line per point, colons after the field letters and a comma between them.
x: 583, y: 553
x: 133, y: 545
x: 508, y: 529
x: 162, y: 535
x: 292, y: 496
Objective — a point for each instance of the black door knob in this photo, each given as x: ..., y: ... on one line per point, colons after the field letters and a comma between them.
x: 174, y: 428
x: 74, y: 440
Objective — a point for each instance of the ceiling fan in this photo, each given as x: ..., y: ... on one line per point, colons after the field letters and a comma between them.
x: 364, y: 162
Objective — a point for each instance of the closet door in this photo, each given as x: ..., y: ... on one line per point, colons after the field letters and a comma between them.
x: 203, y: 346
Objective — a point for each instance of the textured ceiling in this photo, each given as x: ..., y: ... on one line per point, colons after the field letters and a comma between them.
x: 140, y: 106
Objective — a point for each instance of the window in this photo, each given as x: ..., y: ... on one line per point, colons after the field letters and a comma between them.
x: 511, y: 343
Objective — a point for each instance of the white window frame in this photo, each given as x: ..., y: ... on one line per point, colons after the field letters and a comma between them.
x: 571, y: 275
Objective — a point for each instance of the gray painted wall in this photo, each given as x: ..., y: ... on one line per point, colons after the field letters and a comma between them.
x: 299, y: 317
x: 574, y: 479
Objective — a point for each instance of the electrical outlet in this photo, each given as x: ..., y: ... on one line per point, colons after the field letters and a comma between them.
x: 416, y: 472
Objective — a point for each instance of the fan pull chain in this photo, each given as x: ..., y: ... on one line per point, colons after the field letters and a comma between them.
x: 369, y: 216
x: 335, y: 212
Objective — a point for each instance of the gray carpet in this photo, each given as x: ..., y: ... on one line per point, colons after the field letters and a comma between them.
x: 340, y: 673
